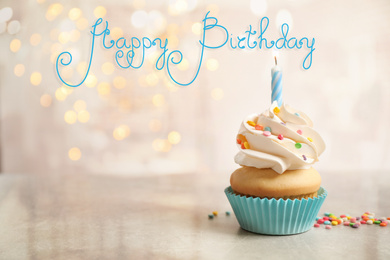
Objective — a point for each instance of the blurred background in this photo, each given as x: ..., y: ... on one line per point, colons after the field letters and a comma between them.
x: 138, y: 122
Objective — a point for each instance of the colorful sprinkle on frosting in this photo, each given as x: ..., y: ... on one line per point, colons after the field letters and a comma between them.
x: 258, y: 127
x: 251, y: 123
x: 267, y: 133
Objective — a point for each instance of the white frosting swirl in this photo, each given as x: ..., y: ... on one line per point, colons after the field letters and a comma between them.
x: 274, y: 151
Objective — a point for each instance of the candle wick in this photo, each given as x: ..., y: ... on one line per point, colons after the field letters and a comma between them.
x: 276, y: 61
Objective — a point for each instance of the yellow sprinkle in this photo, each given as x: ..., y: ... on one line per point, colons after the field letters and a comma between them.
x: 335, y: 223
x: 348, y: 217
x: 246, y: 145
x: 251, y: 123
x: 215, y: 213
x: 276, y: 110
x: 311, y: 140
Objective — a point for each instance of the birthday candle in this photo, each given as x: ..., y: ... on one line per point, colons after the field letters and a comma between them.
x: 276, y: 84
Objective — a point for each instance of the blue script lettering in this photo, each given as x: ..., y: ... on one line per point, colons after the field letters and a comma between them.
x: 129, y: 50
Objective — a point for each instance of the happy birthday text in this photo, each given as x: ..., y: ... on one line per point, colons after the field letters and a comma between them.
x: 129, y: 51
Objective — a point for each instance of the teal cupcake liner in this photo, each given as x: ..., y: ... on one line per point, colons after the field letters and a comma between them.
x: 275, y: 217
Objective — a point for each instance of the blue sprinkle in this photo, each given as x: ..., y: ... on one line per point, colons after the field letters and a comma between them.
x: 296, y: 114
x: 304, y: 157
x: 227, y: 213
x: 211, y: 216
x: 317, y: 218
x: 327, y: 214
x: 267, y: 128
x: 327, y: 222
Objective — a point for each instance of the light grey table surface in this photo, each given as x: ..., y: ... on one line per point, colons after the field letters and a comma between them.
x: 79, y: 216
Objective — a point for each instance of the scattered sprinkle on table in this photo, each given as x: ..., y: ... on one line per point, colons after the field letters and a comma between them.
x: 368, y: 218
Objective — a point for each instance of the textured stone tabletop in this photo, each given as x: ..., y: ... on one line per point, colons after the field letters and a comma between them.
x: 166, y: 217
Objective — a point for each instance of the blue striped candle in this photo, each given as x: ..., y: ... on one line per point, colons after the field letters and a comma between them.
x: 276, y: 84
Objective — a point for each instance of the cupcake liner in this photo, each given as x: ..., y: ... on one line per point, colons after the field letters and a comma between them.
x: 275, y: 217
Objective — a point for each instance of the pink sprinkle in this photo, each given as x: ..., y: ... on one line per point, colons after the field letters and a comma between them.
x: 280, y: 137
x: 320, y: 221
x: 328, y: 227
x: 325, y: 218
x: 316, y: 225
x: 267, y: 133
x: 363, y: 222
x: 353, y: 220
x: 299, y: 131
x: 343, y: 216
x: 346, y: 223
x: 368, y: 213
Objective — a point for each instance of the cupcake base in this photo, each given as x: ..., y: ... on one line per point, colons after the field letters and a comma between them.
x: 275, y: 217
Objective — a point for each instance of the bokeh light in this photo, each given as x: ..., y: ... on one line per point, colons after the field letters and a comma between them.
x: 217, y: 93
x: 158, y: 100
x: 99, y: 12
x: 121, y: 132
x: 284, y: 16
x: 197, y: 28
x: 139, y: 19
x: 74, y: 14
x: 83, y: 116
x: 70, y: 117
x: 15, y: 45
x: 74, y: 154
x: 119, y: 82
x: 35, y: 78
x: 45, y: 100
x: 108, y: 68
x: 174, y: 137
x: 79, y: 105
x: 64, y: 37
x: 74, y: 35
x: 91, y: 80
x: 116, y: 33
x: 151, y: 79
x: 104, y: 89
x: 35, y: 39
x: 161, y: 145
x: 19, y: 70
x: 5, y: 14
x: 53, y: 11
x: 183, y: 65
x: 212, y: 64
x: 60, y: 95
x: 82, y: 24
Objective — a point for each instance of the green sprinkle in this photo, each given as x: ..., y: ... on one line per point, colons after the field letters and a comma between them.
x: 377, y: 222
x: 298, y: 145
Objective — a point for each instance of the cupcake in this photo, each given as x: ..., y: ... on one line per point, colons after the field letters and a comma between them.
x: 277, y: 191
